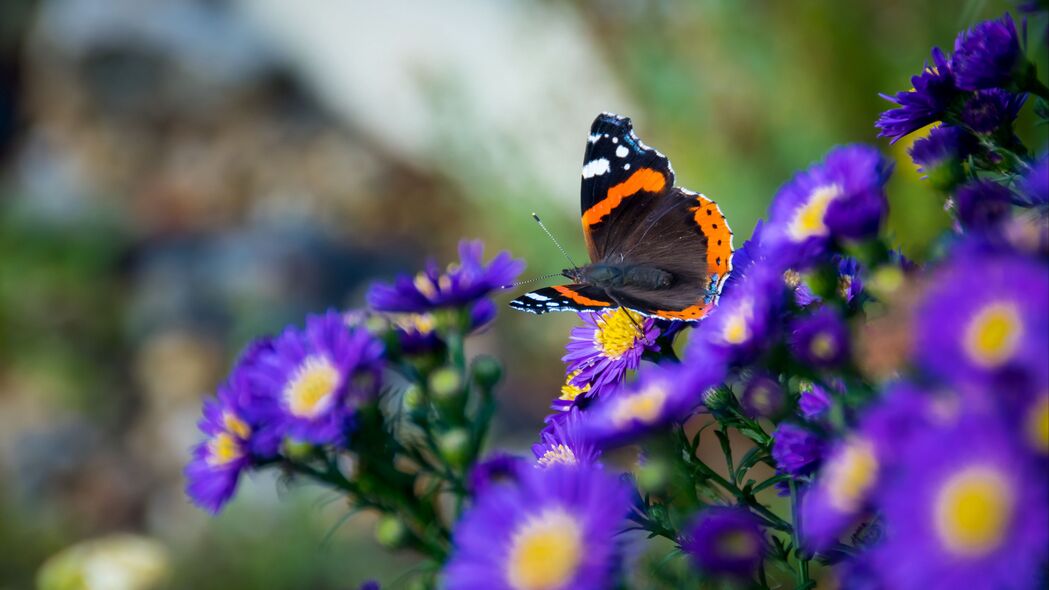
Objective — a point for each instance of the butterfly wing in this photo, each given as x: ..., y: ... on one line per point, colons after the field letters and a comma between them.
x: 623, y: 182
x: 563, y: 298
x: 687, y: 236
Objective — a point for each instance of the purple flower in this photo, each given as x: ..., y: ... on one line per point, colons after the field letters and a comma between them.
x: 813, y: 402
x: 821, y: 339
x: 461, y: 284
x: 984, y: 322
x: 989, y: 111
x: 725, y: 541
x: 795, y: 449
x: 226, y: 451
x: 982, y: 204
x: 497, y: 468
x: 940, y: 154
x: 561, y: 442
x: 850, y: 283
x: 740, y: 326
x: 763, y: 397
x: 313, y: 378
x: 841, y: 197
x: 927, y: 102
x: 965, y: 509
x: 744, y: 259
x: 605, y: 347
x: 555, y: 529
x: 1034, y: 187
x: 1035, y: 424
x: 660, y: 396
x: 988, y: 55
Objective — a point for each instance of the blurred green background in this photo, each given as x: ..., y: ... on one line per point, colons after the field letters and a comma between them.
x: 178, y: 176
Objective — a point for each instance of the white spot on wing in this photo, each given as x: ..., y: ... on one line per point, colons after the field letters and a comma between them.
x: 622, y: 151
x: 626, y: 166
x: 595, y: 168
x: 537, y: 296
x: 593, y: 138
x: 615, y: 140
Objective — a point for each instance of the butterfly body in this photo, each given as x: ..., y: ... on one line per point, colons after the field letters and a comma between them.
x: 655, y: 248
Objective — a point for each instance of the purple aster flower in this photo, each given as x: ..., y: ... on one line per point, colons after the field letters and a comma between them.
x: 982, y: 204
x: 988, y: 55
x: 841, y: 197
x: 1034, y: 187
x: 984, y: 322
x: 965, y: 509
x: 763, y: 397
x: 555, y: 530
x: 813, y: 402
x: 821, y: 339
x: 744, y: 259
x: 461, y: 284
x: 850, y: 283
x: 562, y: 442
x: 1035, y: 424
x: 740, y: 326
x: 725, y: 541
x: 497, y: 468
x: 606, y: 346
x: 927, y: 102
x: 226, y: 451
x: 989, y: 111
x: 796, y: 449
x: 660, y: 396
x: 939, y: 155
x: 312, y: 379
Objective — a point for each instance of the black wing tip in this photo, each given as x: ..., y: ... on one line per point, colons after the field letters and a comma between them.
x: 608, y: 118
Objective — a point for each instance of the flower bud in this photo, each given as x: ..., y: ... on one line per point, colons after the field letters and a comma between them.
x: 454, y: 446
x: 487, y: 371
x: 652, y: 476
x: 390, y: 531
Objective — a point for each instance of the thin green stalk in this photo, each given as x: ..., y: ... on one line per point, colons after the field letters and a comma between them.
x: 803, y: 564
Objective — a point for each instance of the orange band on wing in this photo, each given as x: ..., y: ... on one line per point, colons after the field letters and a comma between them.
x: 692, y: 312
x: 645, y: 179
x: 569, y: 293
x: 719, y: 237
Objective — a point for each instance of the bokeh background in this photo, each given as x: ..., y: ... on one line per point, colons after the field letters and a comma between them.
x: 178, y: 176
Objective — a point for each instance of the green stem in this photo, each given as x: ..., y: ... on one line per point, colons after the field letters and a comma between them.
x: 803, y: 563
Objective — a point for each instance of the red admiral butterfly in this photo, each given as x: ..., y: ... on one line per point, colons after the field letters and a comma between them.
x: 655, y: 248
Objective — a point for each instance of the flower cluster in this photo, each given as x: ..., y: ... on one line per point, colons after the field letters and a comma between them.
x: 881, y: 422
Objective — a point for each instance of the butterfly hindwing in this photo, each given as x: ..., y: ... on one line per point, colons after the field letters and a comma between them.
x: 623, y: 180
x: 563, y: 298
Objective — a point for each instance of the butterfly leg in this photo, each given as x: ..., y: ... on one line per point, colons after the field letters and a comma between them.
x: 612, y: 296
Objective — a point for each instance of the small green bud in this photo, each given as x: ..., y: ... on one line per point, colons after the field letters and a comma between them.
x: 297, y: 449
x: 445, y: 384
x: 886, y: 281
x: 487, y: 371
x: 652, y: 476
x: 454, y: 446
x: 413, y: 399
x: 390, y: 531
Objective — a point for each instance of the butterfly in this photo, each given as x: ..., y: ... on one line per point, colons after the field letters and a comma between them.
x: 655, y: 248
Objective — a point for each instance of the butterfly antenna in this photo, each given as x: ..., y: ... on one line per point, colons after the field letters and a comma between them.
x: 525, y: 282
x: 554, y: 240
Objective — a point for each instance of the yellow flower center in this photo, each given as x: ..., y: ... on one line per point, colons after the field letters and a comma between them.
x: 234, y: 425
x: 425, y: 285
x: 1037, y: 425
x: 617, y: 332
x: 223, y: 448
x: 421, y: 323
x: 559, y: 455
x: 993, y: 334
x: 850, y: 475
x: 310, y: 391
x: 644, y: 406
x: 823, y: 346
x: 736, y: 329
x: 736, y: 544
x: 792, y: 278
x: 545, y: 552
x: 973, y: 510
x: 570, y: 391
x: 808, y: 221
